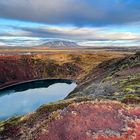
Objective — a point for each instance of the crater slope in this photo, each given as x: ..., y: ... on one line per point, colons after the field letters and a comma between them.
x: 104, y: 106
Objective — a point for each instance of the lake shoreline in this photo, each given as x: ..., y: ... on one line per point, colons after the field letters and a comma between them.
x: 34, y: 80
x: 27, y: 97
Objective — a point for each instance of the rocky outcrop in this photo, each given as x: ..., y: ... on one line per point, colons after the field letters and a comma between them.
x: 116, y: 79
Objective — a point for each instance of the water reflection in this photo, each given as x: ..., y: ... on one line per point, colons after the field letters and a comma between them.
x: 24, y: 98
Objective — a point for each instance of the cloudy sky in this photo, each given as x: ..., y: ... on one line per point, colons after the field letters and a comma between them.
x: 87, y: 22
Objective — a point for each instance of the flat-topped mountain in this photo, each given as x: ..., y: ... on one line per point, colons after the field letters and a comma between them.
x: 59, y: 43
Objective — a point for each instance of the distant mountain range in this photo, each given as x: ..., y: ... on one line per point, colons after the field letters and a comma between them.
x: 58, y: 44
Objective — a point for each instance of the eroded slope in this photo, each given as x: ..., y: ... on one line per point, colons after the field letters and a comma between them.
x: 20, y: 68
x: 116, y: 79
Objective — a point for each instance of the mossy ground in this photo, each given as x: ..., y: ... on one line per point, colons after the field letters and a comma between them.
x: 117, y: 79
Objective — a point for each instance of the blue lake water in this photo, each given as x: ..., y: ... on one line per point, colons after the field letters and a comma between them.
x: 24, y: 98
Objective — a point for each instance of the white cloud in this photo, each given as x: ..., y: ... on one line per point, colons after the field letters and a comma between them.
x: 90, y: 33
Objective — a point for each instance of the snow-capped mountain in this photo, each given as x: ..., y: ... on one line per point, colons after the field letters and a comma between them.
x: 57, y: 44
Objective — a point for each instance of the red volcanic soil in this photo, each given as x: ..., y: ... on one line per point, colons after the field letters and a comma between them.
x: 94, y: 121
x: 88, y: 120
x: 15, y: 69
